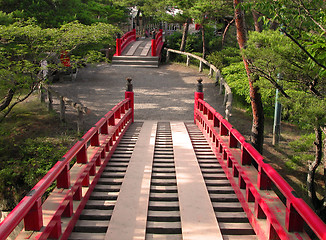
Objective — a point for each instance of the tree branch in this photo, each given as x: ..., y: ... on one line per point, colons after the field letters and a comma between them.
x: 303, y: 49
x: 314, y: 90
x: 317, y: 203
x: 271, y: 80
x: 226, y: 29
x: 14, y: 104
x: 311, y: 17
x: 7, y: 100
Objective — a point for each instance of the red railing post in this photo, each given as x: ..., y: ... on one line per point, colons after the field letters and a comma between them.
x: 293, y: 220
x: 154, y: 45
x: 263, y: 181
x: 118, y: 45
x: 198, y: 95
x: 82, y: 155
x: 130, y: 94
x: 95, y: 140
x: 63, y: 180
x: 134, y: 33
x: 33, y: 220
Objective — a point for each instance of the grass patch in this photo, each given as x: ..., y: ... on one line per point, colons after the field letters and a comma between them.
x: 32, y: 140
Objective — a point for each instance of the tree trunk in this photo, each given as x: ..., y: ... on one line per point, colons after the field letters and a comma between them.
x: 257, y: 136
x: 317, y: 203
x: 184, y: 35
x: 7, y: 100
x: 203, y: 39
x: 137, y: 18
x: 258, y: 24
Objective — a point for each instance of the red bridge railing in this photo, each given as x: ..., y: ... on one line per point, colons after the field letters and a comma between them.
x: 92, y: 153
x: 253, y: 180
x: 157, y: 43
x: 124, y: 41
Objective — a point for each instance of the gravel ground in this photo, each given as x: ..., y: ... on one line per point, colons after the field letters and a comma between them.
x: 164, y: 93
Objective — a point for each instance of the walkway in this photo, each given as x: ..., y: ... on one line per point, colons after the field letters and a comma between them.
x: 137, y: 54
x: 169, y: 89
x: 156, y: 186
x: 141, y: 47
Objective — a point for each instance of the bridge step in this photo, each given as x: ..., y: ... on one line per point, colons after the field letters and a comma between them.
x: 163, y: 236
x: 232, y: 219
x: 94, y: 219
x: 151, y: 187
x: 136, y: 61
x: 87, y: 236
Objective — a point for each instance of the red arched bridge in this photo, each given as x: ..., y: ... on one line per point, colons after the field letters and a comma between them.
x: 163, y: 180
x: 142, y: 52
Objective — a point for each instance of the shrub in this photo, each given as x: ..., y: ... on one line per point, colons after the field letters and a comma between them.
x: 225, y: 57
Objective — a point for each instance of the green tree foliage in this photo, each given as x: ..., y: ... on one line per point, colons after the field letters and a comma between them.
x: 278, y: 54
x: 304, y: 23
x: 53, y: 13
x: 205, y: 12
x: 24, y: 45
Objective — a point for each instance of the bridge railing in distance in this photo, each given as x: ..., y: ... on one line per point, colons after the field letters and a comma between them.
x: 56, y: 217
x: 157, y: 43
x: 124, y: 41
x: 218, y: 77
x: 253, y: 181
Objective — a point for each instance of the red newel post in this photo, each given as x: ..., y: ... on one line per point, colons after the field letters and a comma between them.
x: 198, y: 95
x: 134, y: 33
x: 130, y: 94
x: 154, y: 45
x: 118, y: 45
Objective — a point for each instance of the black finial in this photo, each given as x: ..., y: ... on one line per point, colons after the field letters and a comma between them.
x: 153, y: 34
x: 199, y: 85
x: 129, y: 85
x: 118, y: 35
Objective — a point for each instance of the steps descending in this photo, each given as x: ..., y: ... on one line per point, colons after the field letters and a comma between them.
x: 136, y: 61
x: 137, y: 54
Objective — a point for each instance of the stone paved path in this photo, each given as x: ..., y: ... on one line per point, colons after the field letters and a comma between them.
x: 165, y: 93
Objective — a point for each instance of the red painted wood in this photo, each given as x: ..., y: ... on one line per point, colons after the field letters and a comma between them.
x: 95, y: 140
x: 130, y: 95
x: 297, y: 211
x: 157, y: 43
x: 33, y: 219
x: 63, y: 180
x: 124, y: 41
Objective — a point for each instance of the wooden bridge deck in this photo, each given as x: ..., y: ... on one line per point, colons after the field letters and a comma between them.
x: 137, y: 54
x: 141, y: 47
x: 163, y: 182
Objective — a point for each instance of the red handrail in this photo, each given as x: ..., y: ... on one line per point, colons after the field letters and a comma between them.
x: 157, y: 43
x: 297, y: 212
x: 111, y: 127
x: 124, y: 41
